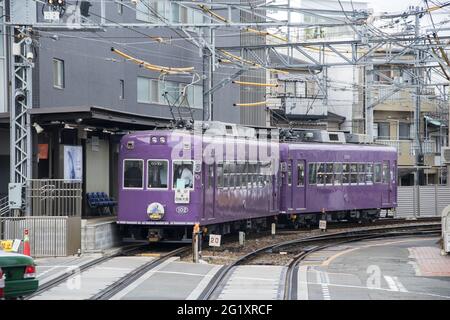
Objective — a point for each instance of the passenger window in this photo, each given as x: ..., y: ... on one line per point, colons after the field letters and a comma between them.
x: 289, y: 173
x: 183, y: 174
x: 386, y: 173
x: 337, y: 174
x: 211, y: 175
x: 312, y: 173
x: 321, y: 173
x: 329, y: 173
x: 346, y: 173
x: 353, y: 173
x: 369, y: 173
x: 300, y: 174
x: 133, y: 174
x: 157, y: 174
x: 220, y: 175
x: 377, y: 172
x: 362, y: 173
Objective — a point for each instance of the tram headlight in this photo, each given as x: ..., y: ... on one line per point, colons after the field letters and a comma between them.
x: 162, y: 139
x: 154, y: 140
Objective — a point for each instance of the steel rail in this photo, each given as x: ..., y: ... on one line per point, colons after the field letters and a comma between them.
x: 345, y: 236
x: 66, y: 275
x: 131, y: 277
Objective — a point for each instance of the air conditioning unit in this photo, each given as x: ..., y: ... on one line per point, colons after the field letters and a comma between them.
x: 357, y: 138
x: 445, y: 155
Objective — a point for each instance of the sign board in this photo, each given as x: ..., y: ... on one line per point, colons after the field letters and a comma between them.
x: 73, y: 163
x: 182, y: 196
x: 214, y: 240
x: 15, y: 195
x: 51, y: 15
x: 10, y: 245
x: 323, y: 224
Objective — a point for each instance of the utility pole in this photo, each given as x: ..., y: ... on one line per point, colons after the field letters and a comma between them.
x: 417, y: 100
x: 22, y: 16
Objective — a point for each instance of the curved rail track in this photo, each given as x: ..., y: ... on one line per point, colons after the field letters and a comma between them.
x: 320, y: 242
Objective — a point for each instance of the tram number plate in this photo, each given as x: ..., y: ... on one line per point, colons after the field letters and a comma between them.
x: 323, y: 224
x: 51, y: 15
x: 214, y: 240
x: 181, y: 196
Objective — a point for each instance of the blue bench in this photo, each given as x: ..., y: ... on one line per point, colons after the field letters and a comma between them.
x: 101, y: 202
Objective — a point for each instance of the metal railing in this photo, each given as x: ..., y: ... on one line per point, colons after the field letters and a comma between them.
x: 428, y: 146
x: 422, y: 201
x: 48, y: 236
x: 54, y: 197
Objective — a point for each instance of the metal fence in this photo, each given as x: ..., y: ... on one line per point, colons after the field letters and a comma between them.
x: 422, y: 201
x: 49, y: 236
x: 54, y: 197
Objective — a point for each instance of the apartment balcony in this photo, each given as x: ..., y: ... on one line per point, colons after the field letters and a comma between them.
x: 402, y: 100
x: 300, y: 107
x: 407, y: 151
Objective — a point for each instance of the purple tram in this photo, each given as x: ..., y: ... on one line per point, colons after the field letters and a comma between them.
x: 232, y: 179
x: 345, y: 181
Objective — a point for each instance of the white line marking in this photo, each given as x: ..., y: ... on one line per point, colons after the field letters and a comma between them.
x: 203, y: 283
x: 391, y: 283
x: 302, y: 286
x: 139, y: 281
x: 381, y: 289
x: 399, y: 285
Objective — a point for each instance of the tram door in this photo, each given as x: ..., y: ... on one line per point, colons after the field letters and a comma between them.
x: 209, y: 195
x: 300, y: 185
x: 387, y: 185
x: 289, y: 186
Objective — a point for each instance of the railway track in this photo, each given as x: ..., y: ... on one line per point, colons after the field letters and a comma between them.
x: 128, y: 279
x: 116, y: 286
x: 69, y: 273
x: 315, y: 243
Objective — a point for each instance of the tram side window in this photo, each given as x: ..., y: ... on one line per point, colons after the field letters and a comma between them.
x: 361, y: 173
x: 289, y: 173
x: 301, y: 174
x: 353, y: 173
x: 157, y: 174
x: 183, y: 175
x: 320, y: 173
x: 346, y: 173
x: 377, y: 173
x: 337, y: 174
x: 220, y: 175
x: 369, y: 173
x: 312, y: 173
x: 386, y: 173
x: 329, y: 173
x: 211, y: 175
x: 133, y: 174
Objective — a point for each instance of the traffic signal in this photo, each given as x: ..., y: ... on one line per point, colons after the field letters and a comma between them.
x: 84, y: 8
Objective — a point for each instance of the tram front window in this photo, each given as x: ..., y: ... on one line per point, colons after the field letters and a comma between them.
x: 183, y: 174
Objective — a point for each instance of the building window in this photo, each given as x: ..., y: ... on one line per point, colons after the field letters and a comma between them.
x: 120, y: 7
x: 404, y: 130
x: 148, y: 91
x: 58, y: 73
x: 384, y: 130
x: 122, y: 89
x: 153, y: 11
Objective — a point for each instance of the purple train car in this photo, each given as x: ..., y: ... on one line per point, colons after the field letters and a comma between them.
x: 173, y: 179
x: 343, y: 180
x: 231, y: 177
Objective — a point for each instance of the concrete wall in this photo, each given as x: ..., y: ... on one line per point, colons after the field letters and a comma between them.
x: 97, y: 166
x: 98, y: 235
